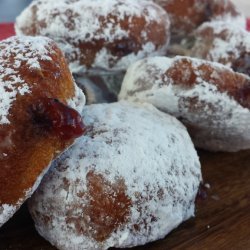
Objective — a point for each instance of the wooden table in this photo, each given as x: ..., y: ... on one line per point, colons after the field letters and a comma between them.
x: 222, y: 219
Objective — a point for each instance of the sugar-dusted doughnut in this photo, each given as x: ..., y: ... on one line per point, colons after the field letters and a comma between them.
x: 36, y: 123
x: 210, y: 99
x: 100, y: 34
x: 187, y: 15
x: 131, y: 179
x: 223, y: 43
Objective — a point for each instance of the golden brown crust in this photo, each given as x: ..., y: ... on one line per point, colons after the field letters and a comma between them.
x: 108, y: 207
x: 185, y: 16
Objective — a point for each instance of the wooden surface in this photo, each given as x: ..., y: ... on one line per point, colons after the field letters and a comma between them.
x: 222, y: 219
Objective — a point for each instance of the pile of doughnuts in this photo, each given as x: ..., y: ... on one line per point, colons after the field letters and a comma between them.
x: 133, y: 175
x: 91, y: 201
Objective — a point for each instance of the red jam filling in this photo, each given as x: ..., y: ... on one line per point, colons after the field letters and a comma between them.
x: 54, y: 117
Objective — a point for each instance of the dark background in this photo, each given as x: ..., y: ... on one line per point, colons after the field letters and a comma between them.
x: 9, y: 9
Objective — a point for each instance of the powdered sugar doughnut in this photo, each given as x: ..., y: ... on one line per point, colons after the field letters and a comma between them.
x: 106, y: 34
x: 35, y: 122
x: 131, y: 179
x: 227, y: 44
x: 209, y: 98
x: 187, y: 15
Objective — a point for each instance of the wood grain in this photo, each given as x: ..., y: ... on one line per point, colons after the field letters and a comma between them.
x: 222, y: 219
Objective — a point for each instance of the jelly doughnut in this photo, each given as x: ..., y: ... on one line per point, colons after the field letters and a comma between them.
x: 37, y: 119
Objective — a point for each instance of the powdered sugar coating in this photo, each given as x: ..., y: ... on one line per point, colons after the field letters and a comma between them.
x: 230, y: 13
x: 220, y: 42
x: 78, y: 101
x: 11, y: 82
x: 149, y: 162
x: 89, y: 32
x: 6, y: 212
x: 209, y: 98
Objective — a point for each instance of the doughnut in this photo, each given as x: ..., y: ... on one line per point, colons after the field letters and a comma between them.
x: 37, y: 119
x: 187, y: 15
x: 130, y: 180
x: 212, y: 100
x: 100, y: 34
x: 223, y: 43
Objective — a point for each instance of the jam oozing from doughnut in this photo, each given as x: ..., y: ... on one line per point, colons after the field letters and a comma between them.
x: 242, y: 64
x: 55, y: 117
